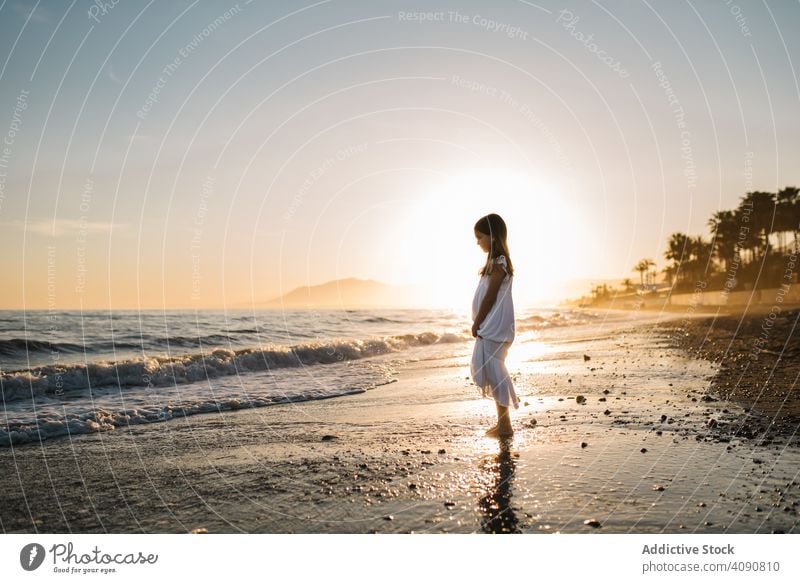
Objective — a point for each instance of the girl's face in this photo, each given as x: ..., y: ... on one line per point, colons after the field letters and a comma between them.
x: 483, y: 241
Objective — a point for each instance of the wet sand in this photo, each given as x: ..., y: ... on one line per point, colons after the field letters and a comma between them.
x: 622, y: 441
x: 756, y: 355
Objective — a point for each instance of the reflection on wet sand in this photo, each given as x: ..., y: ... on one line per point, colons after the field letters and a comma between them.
x: 497, y: 515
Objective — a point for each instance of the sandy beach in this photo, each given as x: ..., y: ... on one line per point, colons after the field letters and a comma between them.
x: 621, y: 429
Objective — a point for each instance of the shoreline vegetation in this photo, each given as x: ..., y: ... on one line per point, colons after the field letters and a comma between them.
x: 752, y: 248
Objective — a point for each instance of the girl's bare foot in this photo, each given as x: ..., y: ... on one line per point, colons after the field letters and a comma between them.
x: 503, y: 426
x: 499, y: 432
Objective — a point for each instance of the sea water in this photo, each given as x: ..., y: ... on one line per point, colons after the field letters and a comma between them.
x: 67, y: 373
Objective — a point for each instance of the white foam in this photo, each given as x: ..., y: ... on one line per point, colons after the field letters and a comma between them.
x: 108, y: 408
x: 163, y: 371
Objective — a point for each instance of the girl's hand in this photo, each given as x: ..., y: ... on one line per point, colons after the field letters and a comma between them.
x: 475, y: 327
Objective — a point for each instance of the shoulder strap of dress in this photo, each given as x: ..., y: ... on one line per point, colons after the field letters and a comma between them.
x: 501, y: 260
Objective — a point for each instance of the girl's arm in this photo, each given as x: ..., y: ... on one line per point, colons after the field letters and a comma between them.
x: 495, y: 279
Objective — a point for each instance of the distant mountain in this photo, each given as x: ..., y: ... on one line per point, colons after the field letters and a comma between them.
x: 348, y: 293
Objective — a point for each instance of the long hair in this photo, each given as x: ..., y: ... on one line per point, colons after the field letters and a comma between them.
x: 495, y: 227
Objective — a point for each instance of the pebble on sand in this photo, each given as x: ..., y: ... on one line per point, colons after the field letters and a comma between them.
x: 328, y: 437
x: 580, y: 400
x: 200, y: 530
x: 586, y: 357
x: 643, y: 450
x: 584, y: 444
x: 592, y: 522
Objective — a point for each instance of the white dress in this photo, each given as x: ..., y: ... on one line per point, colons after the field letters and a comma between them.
x: 495, y: 335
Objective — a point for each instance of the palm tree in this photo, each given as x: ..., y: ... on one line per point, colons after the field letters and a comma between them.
x: 643, y: 267
x: 744, y: 233
x: 628, y: 284
x: 678, y: 251
x: 701, y: 257
x: 762, y: 218
x: 725, y: 233
x: 669, y: 274
x: 785, y: 220
x: 795, y: 214
x: 748, y: 239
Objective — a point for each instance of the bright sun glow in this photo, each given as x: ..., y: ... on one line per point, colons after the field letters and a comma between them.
x: 436, y: 246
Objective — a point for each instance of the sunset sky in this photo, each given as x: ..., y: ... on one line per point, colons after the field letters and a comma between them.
x: 211, y: 155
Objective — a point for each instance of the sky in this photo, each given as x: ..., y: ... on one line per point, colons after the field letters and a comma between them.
x: 217, y: 154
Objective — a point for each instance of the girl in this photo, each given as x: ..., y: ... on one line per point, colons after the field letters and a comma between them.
x: 493, y: 322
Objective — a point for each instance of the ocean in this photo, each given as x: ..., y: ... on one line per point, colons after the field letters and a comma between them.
x: 68, y: 373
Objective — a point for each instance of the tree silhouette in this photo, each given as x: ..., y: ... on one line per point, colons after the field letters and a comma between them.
x: 678, y: 251
x: 702, y: 252
x: 786, y: 215
x: 643, y: 267
x: 762, y: 219
x: 725, y: 234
